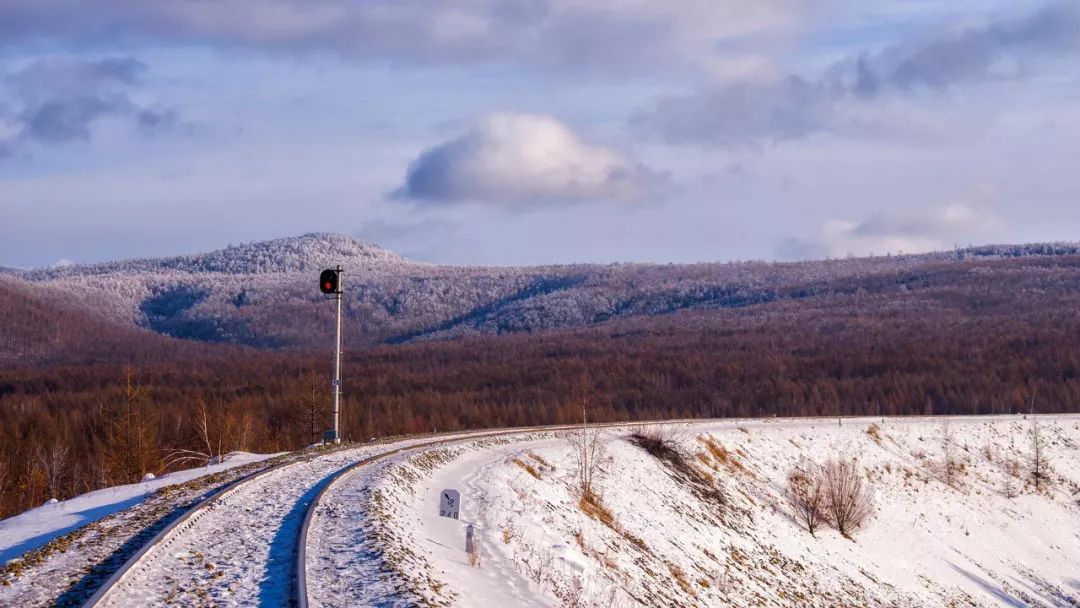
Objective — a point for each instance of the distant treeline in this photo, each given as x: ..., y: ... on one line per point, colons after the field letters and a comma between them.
x: 953, y: 345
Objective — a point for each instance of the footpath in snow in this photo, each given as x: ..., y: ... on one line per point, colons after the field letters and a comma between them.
x: 976, y: 533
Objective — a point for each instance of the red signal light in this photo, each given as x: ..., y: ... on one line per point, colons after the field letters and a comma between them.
x: 330, y: 281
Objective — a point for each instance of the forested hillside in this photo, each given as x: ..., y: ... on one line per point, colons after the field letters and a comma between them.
x: 41, y: 324
x: 264, y: 294
x: 991, y: 334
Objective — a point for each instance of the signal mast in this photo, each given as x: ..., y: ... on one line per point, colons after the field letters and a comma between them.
x: 330, y: 284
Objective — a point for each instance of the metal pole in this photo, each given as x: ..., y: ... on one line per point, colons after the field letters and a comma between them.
x: 337, y: 363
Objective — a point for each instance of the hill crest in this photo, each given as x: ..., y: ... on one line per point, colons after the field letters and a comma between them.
x: 297, y: 254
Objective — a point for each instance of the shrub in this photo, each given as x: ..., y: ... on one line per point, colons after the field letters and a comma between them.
x: 806, y: 492
x: 847, y: 500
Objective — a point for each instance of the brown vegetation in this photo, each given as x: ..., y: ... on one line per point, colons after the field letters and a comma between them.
x: 952, y: 342
x: 806, y: 492
x: 659, y: 443
x: 847, y: 500
x: 528, y: 468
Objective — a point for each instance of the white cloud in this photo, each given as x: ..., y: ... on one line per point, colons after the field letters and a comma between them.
x: 913, y: 231
x: 525, y: 158
x: 606, y: 34
x: 749, y: 100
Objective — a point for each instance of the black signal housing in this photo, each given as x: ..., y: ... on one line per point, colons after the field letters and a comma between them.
x: 330, y: 281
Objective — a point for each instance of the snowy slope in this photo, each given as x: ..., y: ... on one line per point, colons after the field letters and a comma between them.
x: 34, y: 528
x: 988, y: 540
x: 306, y: 253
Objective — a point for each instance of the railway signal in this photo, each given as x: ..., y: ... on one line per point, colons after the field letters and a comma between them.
x: 330, y: 281
x: 330, y: 284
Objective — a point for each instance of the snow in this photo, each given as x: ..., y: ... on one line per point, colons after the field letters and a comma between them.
x: 240, y: 551
x: 36, y: 527
x: 376, y: 538
x: 929, y: 544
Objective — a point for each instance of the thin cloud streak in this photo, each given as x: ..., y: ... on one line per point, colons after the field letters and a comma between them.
x: 773, y: 107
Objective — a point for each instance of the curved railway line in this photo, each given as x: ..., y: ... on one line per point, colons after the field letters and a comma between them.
x: 291, y: 572
x: 121, y: 588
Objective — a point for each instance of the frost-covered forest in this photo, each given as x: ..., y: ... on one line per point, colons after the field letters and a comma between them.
x: 88, y: 355
x: 263, y: 294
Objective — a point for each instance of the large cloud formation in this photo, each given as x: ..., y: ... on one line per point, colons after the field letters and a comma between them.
x: 521, y: 159
x: 626, y: 34
x: 777, y: 106
x: 58, y: 100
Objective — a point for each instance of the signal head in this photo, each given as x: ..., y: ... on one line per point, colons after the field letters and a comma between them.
x: 330, y: 281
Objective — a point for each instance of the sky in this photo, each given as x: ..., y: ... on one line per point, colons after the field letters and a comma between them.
x: 537, y: 131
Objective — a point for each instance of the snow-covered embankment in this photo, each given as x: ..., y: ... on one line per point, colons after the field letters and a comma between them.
x: 723, y: 531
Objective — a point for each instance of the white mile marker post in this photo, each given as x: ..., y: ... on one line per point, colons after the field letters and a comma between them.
x: 449, y: 504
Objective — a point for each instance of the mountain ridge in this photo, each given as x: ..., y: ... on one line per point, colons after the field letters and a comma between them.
x: 265, y: 294
x: 304, y: 253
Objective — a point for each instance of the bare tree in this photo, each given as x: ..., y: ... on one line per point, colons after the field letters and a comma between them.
x: 588, y: 454
x: 807, y: 495
x: 132, y: 434
x: 53, y: 461
x: 1040, y: 460
x: 948, y: 465
x: 5, y: 472
x: 848, y: 503
x: 202, y: 427
x: 1008, y: 488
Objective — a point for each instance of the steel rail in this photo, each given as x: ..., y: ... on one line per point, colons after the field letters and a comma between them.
x: 298, y: 584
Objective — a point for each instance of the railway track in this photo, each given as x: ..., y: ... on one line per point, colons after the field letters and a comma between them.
x: 181, y: 565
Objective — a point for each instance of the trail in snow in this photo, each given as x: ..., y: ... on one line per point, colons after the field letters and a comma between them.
x: 355, y: 559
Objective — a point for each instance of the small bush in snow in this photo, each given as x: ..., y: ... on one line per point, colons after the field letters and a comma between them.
x: 659, y: 443
x: 588, y: 454
x: 848, y: 503
x: 1040, y: 460
x: 806, y: 491
x: 874, y: 432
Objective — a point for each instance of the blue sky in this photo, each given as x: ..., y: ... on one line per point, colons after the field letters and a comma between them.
x: 546, y: 131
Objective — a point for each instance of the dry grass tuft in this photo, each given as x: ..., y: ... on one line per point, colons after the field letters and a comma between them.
x: 531, y: 470
x: 547, y: 466
x: 718, y: 451
x: 874, y: 432
x: 680, y: 578
x: 590, y: 505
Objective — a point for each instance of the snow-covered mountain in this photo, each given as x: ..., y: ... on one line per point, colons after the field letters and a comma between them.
x: 265, y: 294
x: 307, y: 253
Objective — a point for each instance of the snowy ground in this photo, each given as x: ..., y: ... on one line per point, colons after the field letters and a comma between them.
x: 989, y: 539
x: 67, y: 569
x: 659, y: 537
x: 241, y: 550
x: 32, y: 529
